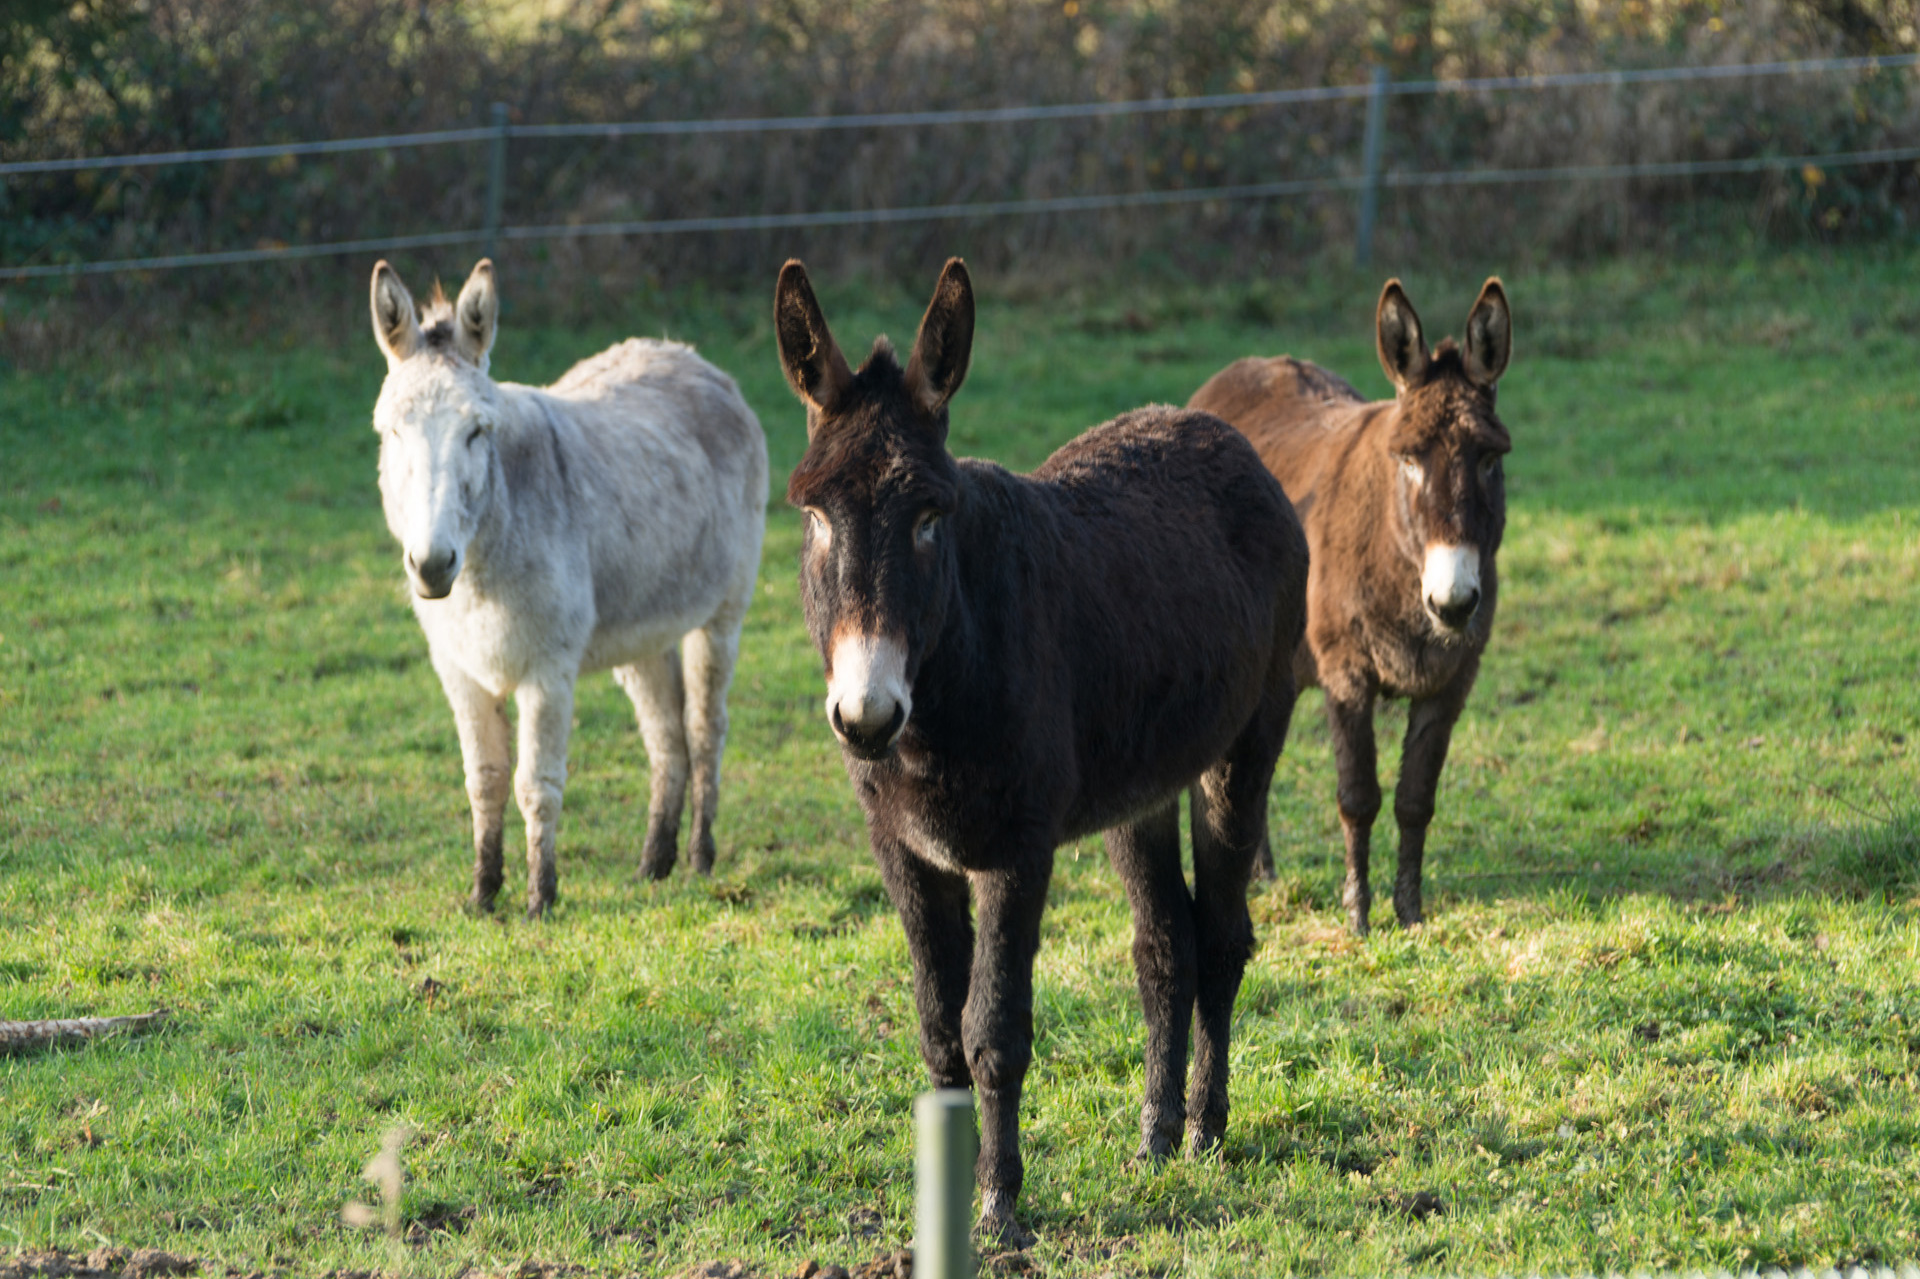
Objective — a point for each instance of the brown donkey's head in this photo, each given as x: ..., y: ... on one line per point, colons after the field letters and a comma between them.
x: 877, y: 484
x: 1445, y: 445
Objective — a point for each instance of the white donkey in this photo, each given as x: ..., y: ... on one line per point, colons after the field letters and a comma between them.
x: 592, y: 524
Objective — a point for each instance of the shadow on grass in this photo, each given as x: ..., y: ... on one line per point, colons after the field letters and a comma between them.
x: 1870, y: 857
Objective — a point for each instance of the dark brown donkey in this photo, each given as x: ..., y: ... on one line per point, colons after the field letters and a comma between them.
x: 1014, y: 661
x: 1404, y: 505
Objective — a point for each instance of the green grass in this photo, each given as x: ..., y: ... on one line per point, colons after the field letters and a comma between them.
x: 1665, y: 1014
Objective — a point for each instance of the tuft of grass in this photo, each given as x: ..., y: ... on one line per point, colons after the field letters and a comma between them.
x: 1663, y: 1015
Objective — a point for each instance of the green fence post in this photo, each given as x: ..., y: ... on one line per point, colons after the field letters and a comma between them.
x: 944, y: 1149
x: 1370, y: 161
x: 496, y: 176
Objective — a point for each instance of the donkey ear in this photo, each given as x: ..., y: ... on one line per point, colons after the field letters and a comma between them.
x: 815, y: 369
x: 476, y: 316
x: 1403, y: 349
x: 396, y: 325
x: 1489, y: 334
x: 940, y: 352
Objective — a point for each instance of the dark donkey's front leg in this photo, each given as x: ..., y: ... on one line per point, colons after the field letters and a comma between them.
x: 1350, y: 716
x: 933, y: 911
x: 1146, y: 855
x: 998, y: 1027
x: 1429, y: 731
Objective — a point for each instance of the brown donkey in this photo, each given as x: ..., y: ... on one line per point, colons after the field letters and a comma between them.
x: 1404, y: 505
x: 1015, y: 661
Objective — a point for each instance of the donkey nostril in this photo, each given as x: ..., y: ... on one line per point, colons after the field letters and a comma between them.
x: 1458, y: 613
x: 867, y: 733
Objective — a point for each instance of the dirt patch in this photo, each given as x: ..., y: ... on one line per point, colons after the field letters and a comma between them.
x: 814, y: 1270
x: 101, y: 1263
x: 892, y: 1265
x: 1419, y: 1205
x: 439, y: 1219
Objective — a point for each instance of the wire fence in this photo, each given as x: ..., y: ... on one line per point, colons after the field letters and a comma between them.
x: 1368, y: 182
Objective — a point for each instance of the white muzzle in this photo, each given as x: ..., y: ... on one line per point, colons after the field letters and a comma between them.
x: 868, y: 700
x: 1450, y: 584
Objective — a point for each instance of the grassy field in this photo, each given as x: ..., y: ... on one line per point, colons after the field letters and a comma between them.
x: 1664, y: 1015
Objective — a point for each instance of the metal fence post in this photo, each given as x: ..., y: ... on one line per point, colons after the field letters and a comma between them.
x: 496, y: 176
x: 943, y: 1184
x: 1370, y: 193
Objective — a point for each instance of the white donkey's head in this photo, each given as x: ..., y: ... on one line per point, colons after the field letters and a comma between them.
x: 436, y: 415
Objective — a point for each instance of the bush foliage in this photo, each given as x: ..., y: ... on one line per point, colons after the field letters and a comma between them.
x: 103, y: 77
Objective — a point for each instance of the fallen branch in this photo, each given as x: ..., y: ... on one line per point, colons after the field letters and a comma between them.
x: 30, y: 1036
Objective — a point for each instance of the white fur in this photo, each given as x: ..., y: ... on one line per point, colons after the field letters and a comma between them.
x: 1451, y: 575
x: 594, y: 524
x: 869, y: 681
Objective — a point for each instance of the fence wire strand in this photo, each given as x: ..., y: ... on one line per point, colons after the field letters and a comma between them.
x: 981, y: 209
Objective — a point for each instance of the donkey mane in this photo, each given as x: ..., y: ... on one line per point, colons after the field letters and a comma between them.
x: 1447, y: 360
x: 436, y: 320
x: 875, y: 380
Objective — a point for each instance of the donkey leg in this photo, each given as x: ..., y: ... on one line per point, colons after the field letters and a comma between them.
x: 1429, y: 733
x: 658, y: 703
x: 487, y: 753
x: 1229, y: 832
x: 546, y: 719
x: 1263, y: 859
x: 1146, y: 854
x: 997, y: 1027
x: 708, y: 657
x: 1351, y: 719
x: 933, y: 909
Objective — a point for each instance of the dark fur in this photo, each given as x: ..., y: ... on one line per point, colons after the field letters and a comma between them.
x: 1084, y: 644
x: 1368, y: 633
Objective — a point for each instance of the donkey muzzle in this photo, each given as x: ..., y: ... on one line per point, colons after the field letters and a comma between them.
x: 433, y: 573
x: 867, y: 696
x: 1450, y: 584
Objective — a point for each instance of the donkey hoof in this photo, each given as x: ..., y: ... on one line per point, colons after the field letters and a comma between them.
x: 1202, y: 1142
x: 1358, y: 922
x: 700, y: 856
x: 657, y: 859
x: 478, y: 906
x: 538, y: 909
x: 1407, y: 910
x: 1158, y: 1138
x: 1153, y: 1152
x: 998, y: 1229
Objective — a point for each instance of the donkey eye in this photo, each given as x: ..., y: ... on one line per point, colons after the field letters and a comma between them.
x: 474, y: 435
x: 1411, y: 469
x: 818, y: 526
x: 1490, y: 469
x: 927, y: 529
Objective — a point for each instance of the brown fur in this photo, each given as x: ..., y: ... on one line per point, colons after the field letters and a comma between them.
x: 1370, y: 633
